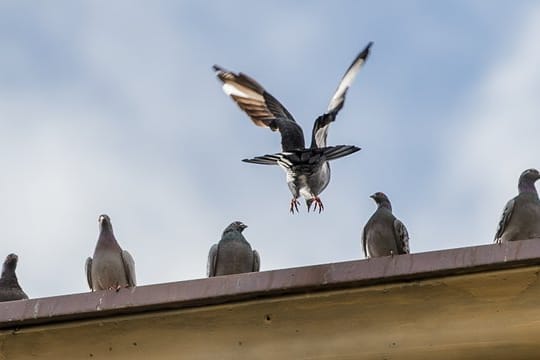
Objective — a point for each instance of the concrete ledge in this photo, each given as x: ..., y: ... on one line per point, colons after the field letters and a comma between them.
x: 268, y: 284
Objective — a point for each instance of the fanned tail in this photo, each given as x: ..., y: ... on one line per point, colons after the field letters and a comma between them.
x: 274, y: 159
x: 339, y: 151
x: 288, y: 159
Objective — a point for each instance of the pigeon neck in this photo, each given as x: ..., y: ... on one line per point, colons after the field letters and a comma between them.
x: 527, y: 186
x: 232, y: 235
x: 106, y: 237
x: 385, y: 205
x: 8, y: 272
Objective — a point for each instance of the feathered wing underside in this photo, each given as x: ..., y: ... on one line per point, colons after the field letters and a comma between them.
x: 212, y: 261
x: 505, y: 219
x: 288, y: 159
x: 256, y: 261
x: 263, y: 109
x: 320, y: 130
x: 336, y: 103
x: 252, y: 98
x: 321, y: 125
x: 88, y: 267
x: 129, y: 268
x: 402, y: 237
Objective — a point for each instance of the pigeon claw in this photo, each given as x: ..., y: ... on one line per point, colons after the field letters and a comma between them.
x: 294, y: 205
x: 317, y: 202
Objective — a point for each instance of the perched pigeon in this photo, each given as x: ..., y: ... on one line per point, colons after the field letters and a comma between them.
x: 233, y: 254
x: 521, y: 217
x: 111, y: 267
x: 9, y: 286
x: 383, y: 234
x: 307, y: 169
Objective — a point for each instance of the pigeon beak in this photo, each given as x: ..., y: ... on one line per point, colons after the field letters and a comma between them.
x: 372, y: 196
x: 244, y: 226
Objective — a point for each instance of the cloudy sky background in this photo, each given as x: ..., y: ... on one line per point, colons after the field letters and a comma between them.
x: 112, y: 107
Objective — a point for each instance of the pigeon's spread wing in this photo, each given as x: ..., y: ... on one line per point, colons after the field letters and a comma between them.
x: 88, y: 267
x: 402, y: 237
x: 263, y: 109
x: 252, y: 98
x: 505, y: 218
x: 336, y: 103
x: 212, y: 261
x: 129, y: 268
x: 320, y: 128
x: 256, y: 261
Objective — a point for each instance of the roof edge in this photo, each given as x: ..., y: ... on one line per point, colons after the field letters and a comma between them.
x: 232, y: 288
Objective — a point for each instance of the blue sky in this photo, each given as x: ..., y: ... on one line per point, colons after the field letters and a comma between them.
x: 113, y: 108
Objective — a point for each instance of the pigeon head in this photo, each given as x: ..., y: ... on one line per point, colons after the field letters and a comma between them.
x: 104, y: 223
x: 527, y: 180
x: 10, y: 263
x: 235, y: 226
x: 381, y: 200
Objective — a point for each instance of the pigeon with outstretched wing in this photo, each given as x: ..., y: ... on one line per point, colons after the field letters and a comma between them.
x: 307, y: 169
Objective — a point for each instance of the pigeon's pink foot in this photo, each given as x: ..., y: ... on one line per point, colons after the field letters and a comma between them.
x: 294, y: 205
x: 317, y: 202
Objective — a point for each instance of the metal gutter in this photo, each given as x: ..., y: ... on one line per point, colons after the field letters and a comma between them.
x: 267, y: 284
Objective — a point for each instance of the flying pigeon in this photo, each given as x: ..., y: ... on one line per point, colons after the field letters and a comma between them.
x: 111, y: 267
x: 233, y: 254
x: 307, y: 169
x: 9, y: 286
x: 383, y: 234
x: 521, y: 217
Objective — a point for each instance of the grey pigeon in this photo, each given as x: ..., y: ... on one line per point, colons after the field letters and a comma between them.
x: 111, y: 267
x: 307, y: 169
x: 233, y: 254
x: 521, y: 217
x: 9, y: 286
x: 383, y: 234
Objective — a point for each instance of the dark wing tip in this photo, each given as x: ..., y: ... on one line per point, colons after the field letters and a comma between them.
x: 365, y: 53
x: 217, y: 68
x: 354, y: 149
